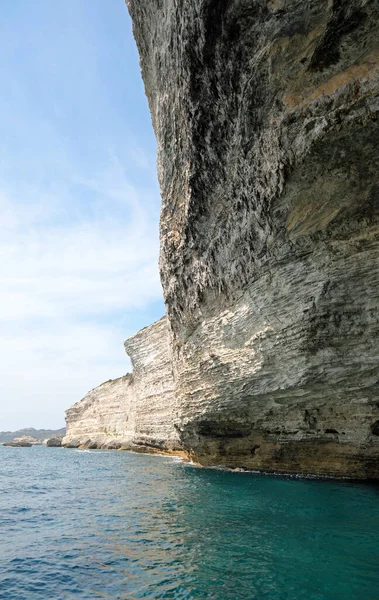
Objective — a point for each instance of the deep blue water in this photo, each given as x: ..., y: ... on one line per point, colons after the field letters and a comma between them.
x: 116, y: 525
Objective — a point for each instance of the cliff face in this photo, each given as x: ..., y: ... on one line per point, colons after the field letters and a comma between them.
x: 104, y: 417
x: 134, y: 411
x: 266, y: 116
x: 153, y: 387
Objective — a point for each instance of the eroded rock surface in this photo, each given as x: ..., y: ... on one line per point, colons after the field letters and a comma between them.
x: 134, y: 411
x: 103, y: 416
x: 266, y: 116
x: 54, y: 442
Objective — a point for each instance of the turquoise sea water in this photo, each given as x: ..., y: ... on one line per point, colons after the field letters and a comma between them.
x: 97, y: 524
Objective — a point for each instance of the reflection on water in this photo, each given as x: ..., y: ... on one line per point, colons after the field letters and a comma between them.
x: 119, y: 525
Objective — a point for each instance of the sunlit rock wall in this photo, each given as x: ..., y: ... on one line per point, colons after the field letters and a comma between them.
x: 153, y: 387
x: 266, y: 116
x: 134, y: 411
x: 104, y: 417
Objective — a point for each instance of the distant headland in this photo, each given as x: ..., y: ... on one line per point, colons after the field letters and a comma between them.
x: 39, y: 434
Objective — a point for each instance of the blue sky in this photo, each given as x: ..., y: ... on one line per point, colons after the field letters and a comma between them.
x: 79, y: 204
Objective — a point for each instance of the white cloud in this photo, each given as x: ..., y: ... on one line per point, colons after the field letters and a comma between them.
x: 79, y: 205
x: 66, y: 272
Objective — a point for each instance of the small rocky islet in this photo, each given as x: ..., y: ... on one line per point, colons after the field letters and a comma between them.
x: 23, y: 442
x: 27, y: 441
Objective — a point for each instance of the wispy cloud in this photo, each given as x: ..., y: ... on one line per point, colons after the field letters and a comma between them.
x: 67, y: 284
x: 79, y: 204
x: 79, y: 265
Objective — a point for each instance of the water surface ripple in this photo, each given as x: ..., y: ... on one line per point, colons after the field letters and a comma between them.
x: 116, y: 525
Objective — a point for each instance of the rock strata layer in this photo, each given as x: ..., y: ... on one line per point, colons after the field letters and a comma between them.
x: 133, y: 412
x: 266, y: 116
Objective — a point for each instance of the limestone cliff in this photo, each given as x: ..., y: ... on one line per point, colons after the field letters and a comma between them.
x: 134, y: 411
x: 266, y: 116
